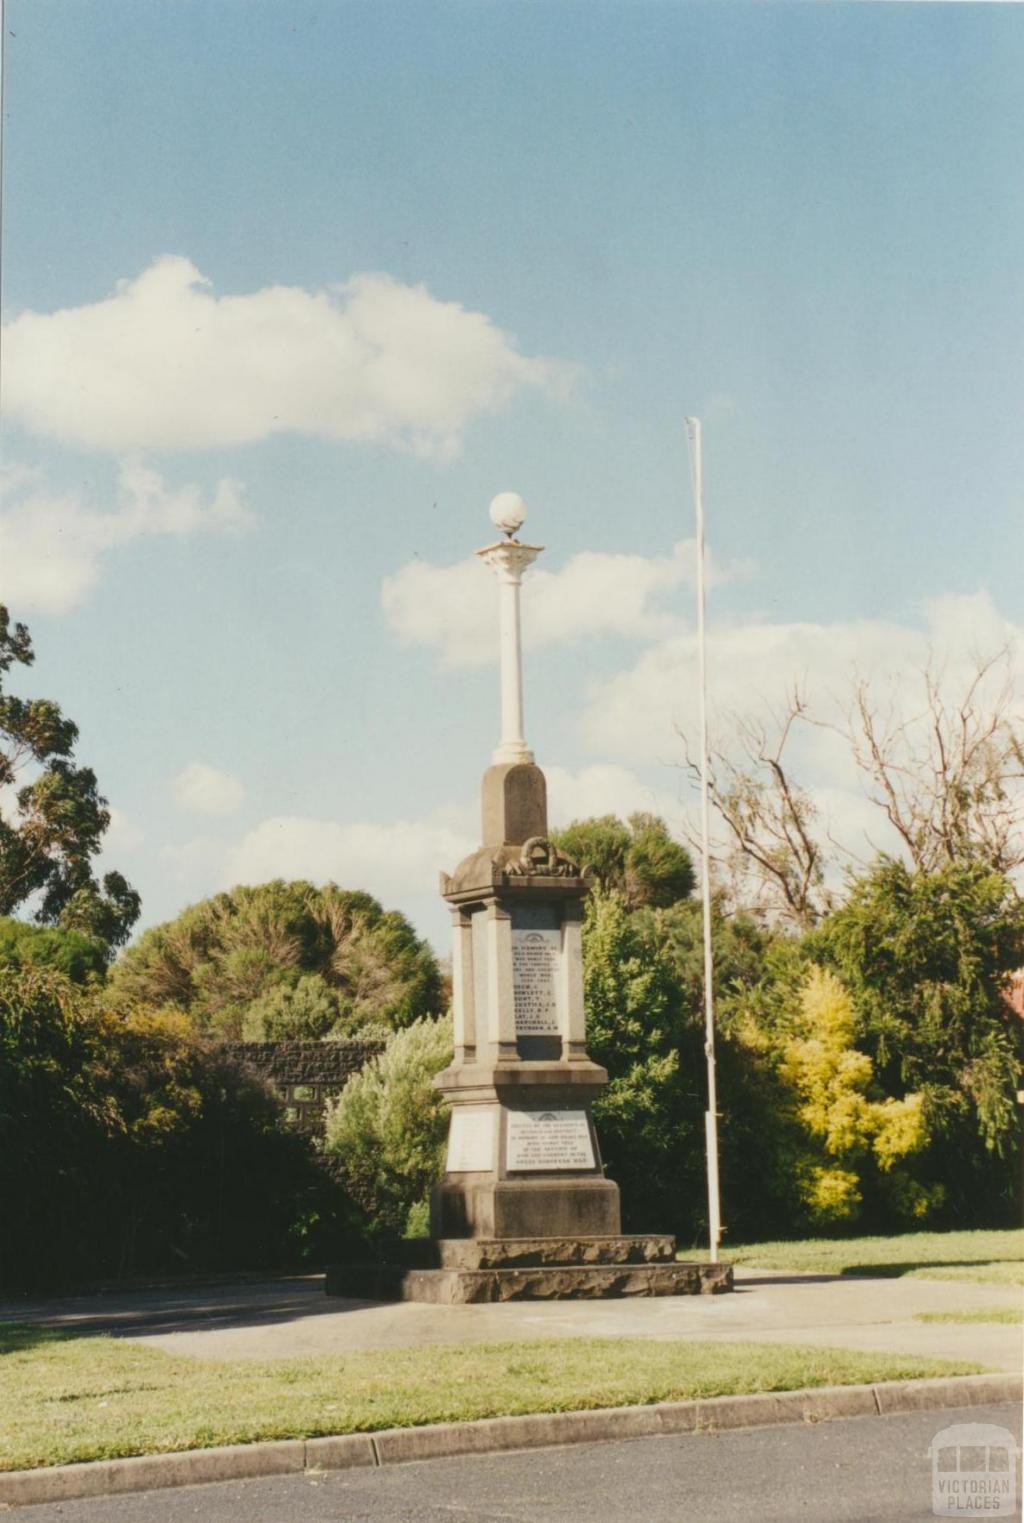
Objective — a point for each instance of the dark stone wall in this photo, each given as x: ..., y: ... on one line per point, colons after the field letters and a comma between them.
x: 306, y: 1074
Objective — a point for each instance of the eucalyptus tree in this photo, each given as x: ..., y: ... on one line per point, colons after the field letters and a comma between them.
x: 52, y: 816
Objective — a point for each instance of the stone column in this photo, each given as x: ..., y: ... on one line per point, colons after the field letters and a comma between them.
x: 501, y: 1013
x: 463, y: 991
x: 508, y: 559
x: 571, y: 970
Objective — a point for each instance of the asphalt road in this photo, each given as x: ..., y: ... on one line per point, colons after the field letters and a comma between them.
x: 857, y: 1470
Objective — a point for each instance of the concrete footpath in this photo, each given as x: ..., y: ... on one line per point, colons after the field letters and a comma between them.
x: 286, y: 1318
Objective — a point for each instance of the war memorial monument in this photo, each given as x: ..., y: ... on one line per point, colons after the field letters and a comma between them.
x: 524, y: 1210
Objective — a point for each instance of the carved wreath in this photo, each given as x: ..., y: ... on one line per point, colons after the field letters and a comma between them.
x: 540, y: 858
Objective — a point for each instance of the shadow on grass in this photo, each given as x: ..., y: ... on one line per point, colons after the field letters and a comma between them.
x: 19, y: 1337
x: 893, y: 1271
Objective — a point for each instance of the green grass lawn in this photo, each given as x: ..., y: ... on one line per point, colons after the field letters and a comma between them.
x: 987, y: 1257
x: 72, y: 1398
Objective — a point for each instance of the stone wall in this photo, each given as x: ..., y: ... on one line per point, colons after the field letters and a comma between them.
x: 306, y: 1074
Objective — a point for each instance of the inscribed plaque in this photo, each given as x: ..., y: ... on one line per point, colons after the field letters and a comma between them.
x: 471, y: 1140
x: 549, y: 1140
x: 535, y: 960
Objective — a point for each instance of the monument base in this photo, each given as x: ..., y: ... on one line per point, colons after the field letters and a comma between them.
x: 525, y: 1208
x: 460, y: 1271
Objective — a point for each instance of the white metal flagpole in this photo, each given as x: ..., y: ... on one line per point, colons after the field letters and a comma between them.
x: 693, y: 432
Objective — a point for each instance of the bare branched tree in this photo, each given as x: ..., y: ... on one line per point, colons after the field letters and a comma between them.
x: 948, y: 777
x: 772, y: 842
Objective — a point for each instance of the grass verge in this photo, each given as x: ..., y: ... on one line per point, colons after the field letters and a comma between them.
x: 1011, y: 1314
x: 983, y: 1257
x: 64, y: 1399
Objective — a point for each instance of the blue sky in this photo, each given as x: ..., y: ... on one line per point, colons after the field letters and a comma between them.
x: 453, y: 249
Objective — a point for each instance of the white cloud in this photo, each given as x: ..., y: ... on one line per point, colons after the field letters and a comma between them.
x: 122, y: 834
x: 52, y: 543
x: 9, y: 803
x: 636, y: 716
x: 194, y: 865
x: 605, y: 789
x: 399, y: 863
x: 390, y: 861
x: 203, y: 789
x: 454, y: 608
x: 166, y: 363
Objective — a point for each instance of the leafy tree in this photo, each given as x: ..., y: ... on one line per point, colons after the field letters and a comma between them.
x: 243, y: 961
x: 389, y: 1125
x: 69, y: 952
x: 637, y: 859
x: 923, y: 1031
x: 741, y: 945
x: 758, y: 973
x: 649, y: 1117
x: 926, y: 957
x: 846, y: 1130
x: 659, y: 871
x: 600, y: 843
x: 48, y: 839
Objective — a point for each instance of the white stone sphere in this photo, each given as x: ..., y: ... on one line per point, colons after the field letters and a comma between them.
x: 508, y: 512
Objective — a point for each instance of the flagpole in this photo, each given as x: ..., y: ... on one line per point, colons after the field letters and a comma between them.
x: 693, y: 432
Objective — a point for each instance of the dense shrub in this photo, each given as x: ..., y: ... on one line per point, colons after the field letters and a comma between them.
x: 131, y: 1145
x: 388, y: 1128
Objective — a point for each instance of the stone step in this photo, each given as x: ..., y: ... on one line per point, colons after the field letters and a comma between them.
x: 459, y: 1287
x: 532, y: 1252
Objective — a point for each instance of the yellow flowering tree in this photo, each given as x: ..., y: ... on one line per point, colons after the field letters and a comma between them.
x: 846, y: 1129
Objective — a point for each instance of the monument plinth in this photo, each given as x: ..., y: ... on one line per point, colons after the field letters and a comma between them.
x: 523, y: 1156
x: 524, y: 1208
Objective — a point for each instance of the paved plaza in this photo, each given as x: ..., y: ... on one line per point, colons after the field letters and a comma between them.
x: 288, y: 1317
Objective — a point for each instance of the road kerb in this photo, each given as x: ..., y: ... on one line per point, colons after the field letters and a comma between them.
x: 153, y: 1472
x: 922, y: 1395
x: 809, y: 1406
x: 341, y: 1451
x: 538, y: 1430
x: 63, y: 1483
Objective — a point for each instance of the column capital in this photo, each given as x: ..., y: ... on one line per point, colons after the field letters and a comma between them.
x: 508, y: 559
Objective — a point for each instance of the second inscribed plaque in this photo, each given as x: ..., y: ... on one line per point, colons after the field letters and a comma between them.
x: 549, y: 1140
